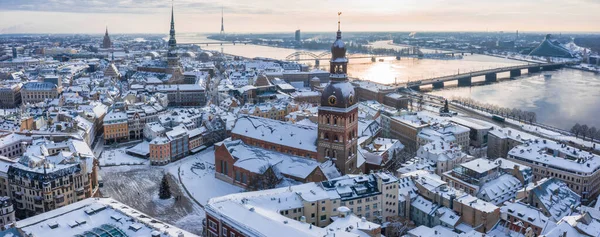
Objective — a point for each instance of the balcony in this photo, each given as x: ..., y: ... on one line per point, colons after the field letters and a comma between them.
x: 38, y: 200
x: 59, y: 199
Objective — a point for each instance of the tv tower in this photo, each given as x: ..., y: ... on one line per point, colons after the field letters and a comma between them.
x: 222, y: 24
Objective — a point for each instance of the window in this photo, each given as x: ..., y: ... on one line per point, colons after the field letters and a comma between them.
x: 224, y: 231
x: 312, y: 215
x: 212, y: 225
x: 238, y: 176
x: 322, y: 208
x: 232, y: 234
x: 323, y: 217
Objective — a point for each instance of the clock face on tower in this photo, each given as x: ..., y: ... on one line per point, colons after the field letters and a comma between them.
x: 351, y: 99
x: 332, y: 100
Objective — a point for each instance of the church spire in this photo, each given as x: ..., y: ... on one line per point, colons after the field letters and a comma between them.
x: 339, y: 32
x: 172, y: 40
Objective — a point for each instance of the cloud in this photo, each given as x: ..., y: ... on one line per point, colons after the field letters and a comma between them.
x: 130, y: 6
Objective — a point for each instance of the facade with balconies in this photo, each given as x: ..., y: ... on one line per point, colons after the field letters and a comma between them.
x: 45, y: 178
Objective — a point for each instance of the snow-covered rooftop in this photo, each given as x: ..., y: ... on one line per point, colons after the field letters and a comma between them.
x: 257, y: 160
x: 96, y: 215
x: 277, y: 132
x: 557, y: 156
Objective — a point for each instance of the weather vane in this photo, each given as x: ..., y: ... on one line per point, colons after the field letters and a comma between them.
x: 339, y: 14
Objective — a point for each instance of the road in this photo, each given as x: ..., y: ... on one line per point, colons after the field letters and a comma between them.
x: 466, y: 112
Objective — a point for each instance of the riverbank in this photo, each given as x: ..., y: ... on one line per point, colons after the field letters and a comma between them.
x: 581, y: 66
x: 542, y: 130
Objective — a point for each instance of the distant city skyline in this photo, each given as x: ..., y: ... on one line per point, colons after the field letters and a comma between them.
x: 152, y: 16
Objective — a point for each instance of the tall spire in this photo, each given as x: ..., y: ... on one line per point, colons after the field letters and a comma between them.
x: 339, y: 63
x: 339, y: 21
x: 172, y: 16
x: 172, y: 41
x: 339, y: 32
x: 106, y: 43
x: 222, y: 23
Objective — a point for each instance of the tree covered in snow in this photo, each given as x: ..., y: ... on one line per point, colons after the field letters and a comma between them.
x: 164, y: 192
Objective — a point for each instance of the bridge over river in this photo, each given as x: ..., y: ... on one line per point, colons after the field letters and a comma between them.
x: 412, y: 52
x: 465, y: 79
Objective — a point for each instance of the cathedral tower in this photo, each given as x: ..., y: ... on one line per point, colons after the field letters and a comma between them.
x: 106, y: 44
x: 338, y: 114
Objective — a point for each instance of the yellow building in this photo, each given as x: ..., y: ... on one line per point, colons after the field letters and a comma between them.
x: 115, y: 127
x: 277, y: 111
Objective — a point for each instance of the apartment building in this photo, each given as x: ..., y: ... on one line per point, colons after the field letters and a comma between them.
x: 115, y: 127
x: 276, y: 111
x: 471, y: 211
x: 577, y: 168
x: 35, y: 92
x: 10, y: 95
x: 52, y: 175
x: 310, y: 209
x: 7, y: 211
x: 484, y: 179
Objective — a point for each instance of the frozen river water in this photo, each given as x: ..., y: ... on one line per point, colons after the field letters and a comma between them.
x: 570, y: 96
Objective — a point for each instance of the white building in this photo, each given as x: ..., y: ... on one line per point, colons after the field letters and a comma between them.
x: 98, y: 217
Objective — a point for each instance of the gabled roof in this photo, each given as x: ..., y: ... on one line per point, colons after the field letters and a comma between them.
x: 273, y: 131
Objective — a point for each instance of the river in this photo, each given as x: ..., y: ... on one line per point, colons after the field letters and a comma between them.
x: 570, y: 96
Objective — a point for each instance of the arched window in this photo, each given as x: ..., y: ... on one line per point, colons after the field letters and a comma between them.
x: 326, y: 136
x: 328, y: 121
x: 334, y: 154
x: 336, y: 138
x: 335, y: 121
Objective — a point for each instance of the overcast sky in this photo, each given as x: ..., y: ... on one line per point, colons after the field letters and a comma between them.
x: 152, y: 16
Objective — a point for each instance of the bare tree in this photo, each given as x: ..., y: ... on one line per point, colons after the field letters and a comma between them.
x: 268, y: 180
x: 593, y: 133
x: 584, y: 131
x: 576, y: 129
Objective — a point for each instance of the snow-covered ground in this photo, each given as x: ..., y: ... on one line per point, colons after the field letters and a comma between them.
x: 137, y: 186
x: 197, y: 173
x: 118, y: 156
